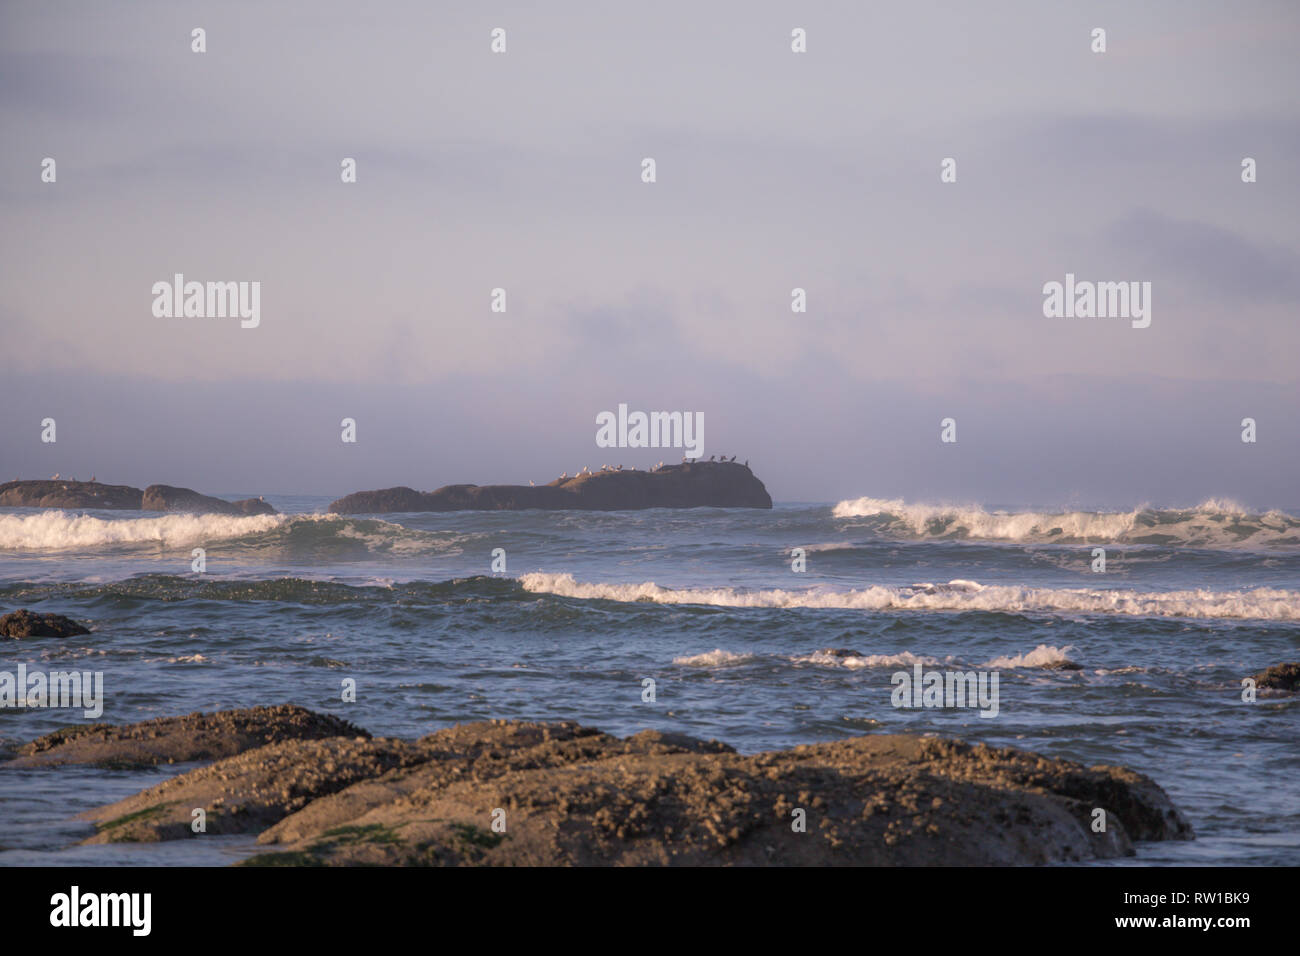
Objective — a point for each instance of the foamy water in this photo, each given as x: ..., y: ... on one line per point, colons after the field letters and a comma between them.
x: 1214, y: 523
x: 67, y: 530
x: 959, y: 595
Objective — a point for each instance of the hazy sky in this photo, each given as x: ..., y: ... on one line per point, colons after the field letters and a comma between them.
x: 775, y: 170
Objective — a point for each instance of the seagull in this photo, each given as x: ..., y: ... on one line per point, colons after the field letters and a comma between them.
x: 530, y: 483
x: 92, y: 478
x: 733, y: 457
x: 563, y: 476
x: 746, y: 462
x: 619, y: 468
x: 711, y: 457
x: 56, y: 477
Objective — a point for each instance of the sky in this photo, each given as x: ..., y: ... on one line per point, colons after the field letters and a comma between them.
x: 774, y: 170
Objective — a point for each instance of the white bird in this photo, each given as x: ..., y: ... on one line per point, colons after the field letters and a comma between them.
x: 530, y: 483
x: 56, y: 477
x: 563, y: 476
x: 619, y: 468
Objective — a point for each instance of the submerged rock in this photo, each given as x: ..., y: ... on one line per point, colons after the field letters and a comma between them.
x: 699, y: 484
x: 25, y: 623
x: 568, y: 794
x: 1279, y: 677
x: 193, y: 737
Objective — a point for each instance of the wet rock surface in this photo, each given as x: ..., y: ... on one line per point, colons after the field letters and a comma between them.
x: 24, y: 623
x: 194, y: 737
x: 1279, y: 677
x: 572, y: 795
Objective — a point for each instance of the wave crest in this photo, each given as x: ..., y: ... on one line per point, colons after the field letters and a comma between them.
x: 1215, y: 523
x: 62, y: 530
x: 1272, y: 604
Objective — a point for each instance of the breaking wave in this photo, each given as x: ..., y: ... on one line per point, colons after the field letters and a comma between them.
x: 70, y: 531
x: 62, y: 530
x: 1264, y: 603
x: 1211, y: 524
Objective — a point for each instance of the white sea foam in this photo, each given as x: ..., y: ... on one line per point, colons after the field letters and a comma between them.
x: 1215, y: 523
x: 1043, y: 655
x: 63, y: 530
x: 714, y: 658
x: 58, y: 530
x: 826, y: 658
x: 1265, y: 603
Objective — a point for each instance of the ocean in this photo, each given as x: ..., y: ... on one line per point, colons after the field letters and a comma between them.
x: 704, y: 603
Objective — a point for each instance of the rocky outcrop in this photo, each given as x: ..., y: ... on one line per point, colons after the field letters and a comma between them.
x: 194, y: 737
x: 1279, y: 677
x: 68, y: 494
x: 24, y: 623
x: 167, y: 498
x: 568, y: 794
x: 91, y: 494
x: 699, y: 484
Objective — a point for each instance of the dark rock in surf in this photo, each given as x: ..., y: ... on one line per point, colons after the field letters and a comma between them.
x: 92, y: 494
x: 698, y: 484
x: 168, y: 498
x: 24, y: 623
x: 1279, y: 677
x: 193, y: 737
x: 68, y: 494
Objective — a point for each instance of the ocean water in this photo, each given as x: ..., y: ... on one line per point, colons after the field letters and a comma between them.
x: 705, y: 603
